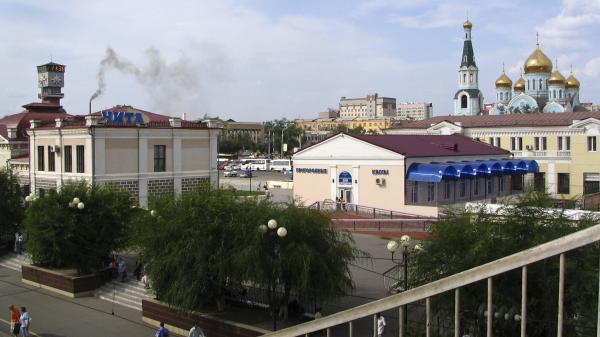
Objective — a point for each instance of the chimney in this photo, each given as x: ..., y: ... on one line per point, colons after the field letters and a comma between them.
x: 34, y: 123
x: 175, y: 122
x: 59, y: 122
x: 12, y: 133
x: 92, y: 120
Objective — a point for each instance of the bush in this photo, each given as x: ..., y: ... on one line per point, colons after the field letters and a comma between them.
x: 63, y: 235
x: 11, y: 203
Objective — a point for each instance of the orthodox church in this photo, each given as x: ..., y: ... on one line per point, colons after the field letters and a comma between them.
x: 539, y: 89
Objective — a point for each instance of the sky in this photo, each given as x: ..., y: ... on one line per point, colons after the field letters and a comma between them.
x: 257, y: 60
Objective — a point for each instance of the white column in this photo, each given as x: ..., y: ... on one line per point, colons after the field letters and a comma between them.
x: 355, y: 183
x: 88, y: 155
x: 551, y: 176
x: 143, y: 168
x: 333, y: 182
x: 177, y: 165
x: 32, y: 162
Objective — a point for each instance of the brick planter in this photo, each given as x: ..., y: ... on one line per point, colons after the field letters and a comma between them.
x: 61, y: 282
x: 154, y: 312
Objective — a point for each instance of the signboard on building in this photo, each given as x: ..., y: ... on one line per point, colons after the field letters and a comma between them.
x: 122, y: 117
x: 345, y: 179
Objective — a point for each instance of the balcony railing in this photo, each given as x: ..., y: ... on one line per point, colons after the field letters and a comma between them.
x: 486, y: 272
x: 541, y: 153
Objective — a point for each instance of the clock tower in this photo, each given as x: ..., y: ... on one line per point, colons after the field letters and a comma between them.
x: 51, y: 79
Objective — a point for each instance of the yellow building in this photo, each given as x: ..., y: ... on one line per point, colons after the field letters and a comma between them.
x: 563, y: 144
x: 376, y: 125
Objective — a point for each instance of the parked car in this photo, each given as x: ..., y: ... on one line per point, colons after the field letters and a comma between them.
x: 233, y: 165
x: 288, y: 173
x: 246, y: 174
x: 230, y: 173
x: 222, y: 164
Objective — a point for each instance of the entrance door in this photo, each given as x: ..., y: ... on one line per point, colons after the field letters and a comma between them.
x: 346, y: 194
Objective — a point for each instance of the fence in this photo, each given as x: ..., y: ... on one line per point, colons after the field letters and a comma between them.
x: 384, y: 225
x: 454, y: 283
x: 366, y: 211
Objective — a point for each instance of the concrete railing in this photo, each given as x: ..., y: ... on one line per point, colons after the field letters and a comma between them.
x: 455, y: 282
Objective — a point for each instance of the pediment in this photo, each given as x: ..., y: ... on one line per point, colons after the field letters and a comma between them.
x: 343, y: 146
x: 591, y: 126
x: 444, y: 128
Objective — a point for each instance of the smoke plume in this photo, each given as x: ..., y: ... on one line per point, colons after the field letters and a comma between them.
x: 173, y: 87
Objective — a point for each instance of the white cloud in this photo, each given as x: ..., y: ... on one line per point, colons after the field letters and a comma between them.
x: 567, y: 30
x: 592, y: 68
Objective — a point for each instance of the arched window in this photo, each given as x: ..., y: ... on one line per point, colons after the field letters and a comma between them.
x: 464, y: 78
x: 560, y: 93
x: 533, y: 84
x: 541, y: 86
x: 528, y: 85
x: 501, y: 96
x: 470, y: 78
x: 463, y: 101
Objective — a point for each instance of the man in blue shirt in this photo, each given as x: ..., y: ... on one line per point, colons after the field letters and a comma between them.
x: 162, y: 331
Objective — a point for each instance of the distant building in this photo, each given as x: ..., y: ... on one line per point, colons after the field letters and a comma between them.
x: 414, y: 111
x: 372, y: 106
x: 330, y: 113
x: 318, y: 129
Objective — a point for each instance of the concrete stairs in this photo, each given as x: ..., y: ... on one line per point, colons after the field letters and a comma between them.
x: 128, y: 294
x: 14, y: 261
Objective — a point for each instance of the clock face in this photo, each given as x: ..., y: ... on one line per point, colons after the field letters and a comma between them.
x: 42, y: 80
x: 56, y: 79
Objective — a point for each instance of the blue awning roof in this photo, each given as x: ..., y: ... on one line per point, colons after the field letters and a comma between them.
x: 436, y: 172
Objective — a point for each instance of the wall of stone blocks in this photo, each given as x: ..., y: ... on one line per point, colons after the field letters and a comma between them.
x: 190, y: 183
x: 131, y: 186
x: 157, y: 187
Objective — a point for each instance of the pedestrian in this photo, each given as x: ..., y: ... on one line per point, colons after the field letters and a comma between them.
x: 380, y: 325
x: 16, y: 242
x: 195, y: 331
x: 162, y: 331
x: 137, y: 271
x: 25, y: 321
x: 15, y: 326
x: 343, y: 202
x: 122, y: 270
x: 259, y: 186
x: 146, y: 281
x: 19, y: 243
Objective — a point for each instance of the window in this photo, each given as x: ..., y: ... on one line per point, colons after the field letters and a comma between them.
x: 68, y: 155
x: 79, y: 153
x: 464, y: 78
x: 533, y: 86
x: 541, y: 143
x: 517, y: 182
x: 414, y: 192
x: 490, y: 185
x: 516, y: 143
x: 564, y: 143
x: 567, y: 146
x: 462, y: 189
x: 430, y: 192
x: 463, y: 102
x: 476, y: 188
x: 560, y: 93
x: 160, y: 158
x: 539, y: 182
x: 40, y: 158
x: 470, y: 78
x: 591, y: 142
x: 51, y: 159
x: 563, y: 183
x: 541, y: 84
x: 501, y: 183
x: 591, y: 183
x: 447, y: 190
x: 495, y: 141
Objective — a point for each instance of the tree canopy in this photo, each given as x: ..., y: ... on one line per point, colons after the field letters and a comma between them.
x: 462, y: 240
x: 205, y: 245
x: 11, y: 203
x: 80, y: 235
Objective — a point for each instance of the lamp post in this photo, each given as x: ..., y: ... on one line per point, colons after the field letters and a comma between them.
x: 274, y: 234
x: 282, y: 130
x: 392, y: 247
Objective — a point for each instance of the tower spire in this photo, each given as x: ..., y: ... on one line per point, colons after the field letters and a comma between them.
x: 537, y: 39
x: 503, y: 68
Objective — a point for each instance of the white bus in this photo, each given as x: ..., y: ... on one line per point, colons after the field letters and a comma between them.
x: 257, y: 164
x: 281, y: 165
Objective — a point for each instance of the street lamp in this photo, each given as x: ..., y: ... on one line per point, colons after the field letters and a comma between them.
x: 282, y: 130
x: 274, y: 234
x: 392, y: 247
x: 76, y: 203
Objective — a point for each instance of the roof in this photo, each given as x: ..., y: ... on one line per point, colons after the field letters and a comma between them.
x: 153, y: 117
x: 20, y: 121
x: 468, y: 56
x: 432, y: 145
x: 472, y: 92
x: 509, y: 120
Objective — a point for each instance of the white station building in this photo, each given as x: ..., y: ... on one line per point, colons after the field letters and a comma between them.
x: 416, y: 174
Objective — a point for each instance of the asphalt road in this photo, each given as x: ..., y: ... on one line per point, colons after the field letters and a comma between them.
x: 54, y: 315
x: 258, y: 179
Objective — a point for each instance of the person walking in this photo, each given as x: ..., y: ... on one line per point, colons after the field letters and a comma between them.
x: 122, y: 270
x: 15, y: 326
x: 380, y: 325
x: 25, y: 321
x: 195, y: 331
x: 162, y: 331
x: 19, y: 243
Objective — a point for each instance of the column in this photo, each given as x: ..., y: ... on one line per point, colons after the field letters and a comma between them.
x: 355, y: 183
x: 177, y: 165
x: 333, y: 177
x: 142, y: 170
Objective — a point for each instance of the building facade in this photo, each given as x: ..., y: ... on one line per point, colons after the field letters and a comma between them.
x: 316, y: 130
x: 412, y: 174
x: 145, y: 153
x: 414, y: 111
x: 564, y: 144
x: 468, y: 100
x: 372, y: 106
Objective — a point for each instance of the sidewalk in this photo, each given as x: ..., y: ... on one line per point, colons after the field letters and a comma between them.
x: 54, y: 315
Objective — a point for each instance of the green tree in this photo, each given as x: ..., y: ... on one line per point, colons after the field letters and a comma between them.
x: 462, y: 240
x: 62, y: 234
x: 11, y: 203
x: 358, y: 130
x: 291, y: 134
x: 203, y: 245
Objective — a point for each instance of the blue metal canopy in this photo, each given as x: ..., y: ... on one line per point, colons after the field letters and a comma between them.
x: 436, y: 172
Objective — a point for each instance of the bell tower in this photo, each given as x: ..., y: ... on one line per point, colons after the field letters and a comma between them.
x: 51, y: 80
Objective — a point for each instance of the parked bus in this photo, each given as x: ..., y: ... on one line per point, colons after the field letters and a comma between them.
x: 281, y: 165
x: 255, y: 164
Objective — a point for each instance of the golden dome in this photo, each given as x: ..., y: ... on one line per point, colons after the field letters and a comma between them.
x: 519, y: 85
x: 467, y: 24
x: 538, y: 62
x: 503, y: 81
x: 572, y: 82
x: 556, y: 78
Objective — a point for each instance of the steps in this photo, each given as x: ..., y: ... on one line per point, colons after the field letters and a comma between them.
x: 14, y: 261
x: 129, y: 294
